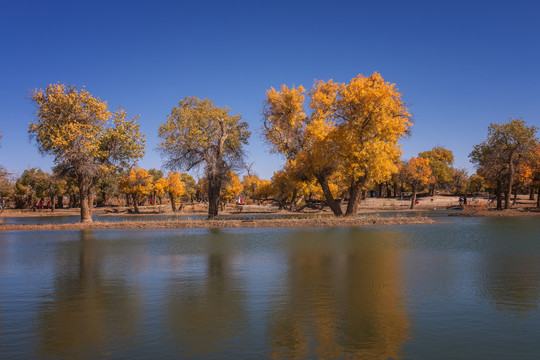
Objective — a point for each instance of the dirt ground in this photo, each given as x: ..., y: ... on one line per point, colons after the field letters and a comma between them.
x: 475, y: 207
x: 367, y: 206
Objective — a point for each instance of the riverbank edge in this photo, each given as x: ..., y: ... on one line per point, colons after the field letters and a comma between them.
x: 213, y: 224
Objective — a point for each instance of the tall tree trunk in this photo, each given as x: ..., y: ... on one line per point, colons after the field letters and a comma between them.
x: 510, y: 183
x: 86, y: 211
x: 334, y: 206
x: 173, y: 202
x: 293, y: 199
x: 498, y: 194
x: 53, y: 198
x: 60, y: 202
x: 538, y: 198
x: 531, y: 192
x: 214, y: 189
x: 395, y: 188
x: 413, y: 196
x: 355, y: 193
x: 135, y: 203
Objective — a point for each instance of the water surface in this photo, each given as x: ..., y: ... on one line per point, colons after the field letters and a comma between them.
x: 464, y: 288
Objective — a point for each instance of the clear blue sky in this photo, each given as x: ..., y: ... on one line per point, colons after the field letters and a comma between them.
x: 459, y: 64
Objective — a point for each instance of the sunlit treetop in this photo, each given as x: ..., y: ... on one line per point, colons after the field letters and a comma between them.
x: 198, y: 132
x: 78, y: 129
x: 417, y: 171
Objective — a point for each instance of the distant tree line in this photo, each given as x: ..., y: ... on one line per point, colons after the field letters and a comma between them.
x: 340, y: 142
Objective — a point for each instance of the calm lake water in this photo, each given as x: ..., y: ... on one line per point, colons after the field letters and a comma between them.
x: 464, y: 288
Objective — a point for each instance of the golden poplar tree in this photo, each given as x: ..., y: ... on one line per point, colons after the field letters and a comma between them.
x: 175, y: 187
x: 233, y: 187
x: 418, y: 173
x: 80, y: 132
x: 199, y: 134
x: 352, y: 129
x: 137, y: 183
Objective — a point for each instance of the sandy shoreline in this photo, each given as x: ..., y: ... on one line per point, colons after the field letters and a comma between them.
x: 310, y: 218
x: 210, y: 224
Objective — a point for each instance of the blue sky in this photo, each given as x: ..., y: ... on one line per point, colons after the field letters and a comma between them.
x: 460, y: 65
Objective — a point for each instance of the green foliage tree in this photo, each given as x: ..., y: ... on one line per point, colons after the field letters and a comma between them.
x: 7, y: 187
x: 198, y: 133
x: 32, y: 185
x: 81, y: 133
x: 497, y: 158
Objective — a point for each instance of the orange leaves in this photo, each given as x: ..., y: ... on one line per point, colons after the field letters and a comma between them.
x: 175, y: 186
x: 284, y: 119
x: 418, y: 171
x: 136, y: 181
x: 233, y: 187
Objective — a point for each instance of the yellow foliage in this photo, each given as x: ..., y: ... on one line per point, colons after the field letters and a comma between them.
x: 136, y: 181
x: 250, y: 183
x: 233, y: 187
x: 418, y: 171
x: 353, y: 129
x: 264, y: 189
x: 161, y: 186
x: 175, y: 185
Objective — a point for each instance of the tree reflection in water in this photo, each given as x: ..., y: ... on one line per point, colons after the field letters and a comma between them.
x: 88, y: 313
x: 205, y: 310
x: 340, y: 305
x: 511, y: 282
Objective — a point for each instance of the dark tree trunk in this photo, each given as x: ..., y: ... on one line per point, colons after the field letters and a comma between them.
x: 380, y: 190
x: 86, y: 210
x: 293, y: 200
x: 498, y: 194
x: 334, y: 206
x: 53, y: 198
x: 508, y: 193
x: 396, y: 189
x: 538, y: 198
x: 173, y: 202
x: 60, y: 202
x: 214, y: 189
x: 355, y: 195
x: 135, y: 203
x: 531, y: 192
x: 413, y: 196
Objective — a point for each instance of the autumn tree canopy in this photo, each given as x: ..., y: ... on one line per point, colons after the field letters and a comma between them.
x: 78, y: 130
x: 137, y: 183
x: 199, y: 134
x: 497, y: 158
x: 352, y: 129
x: 417, y: 173
x: 440, y: 162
